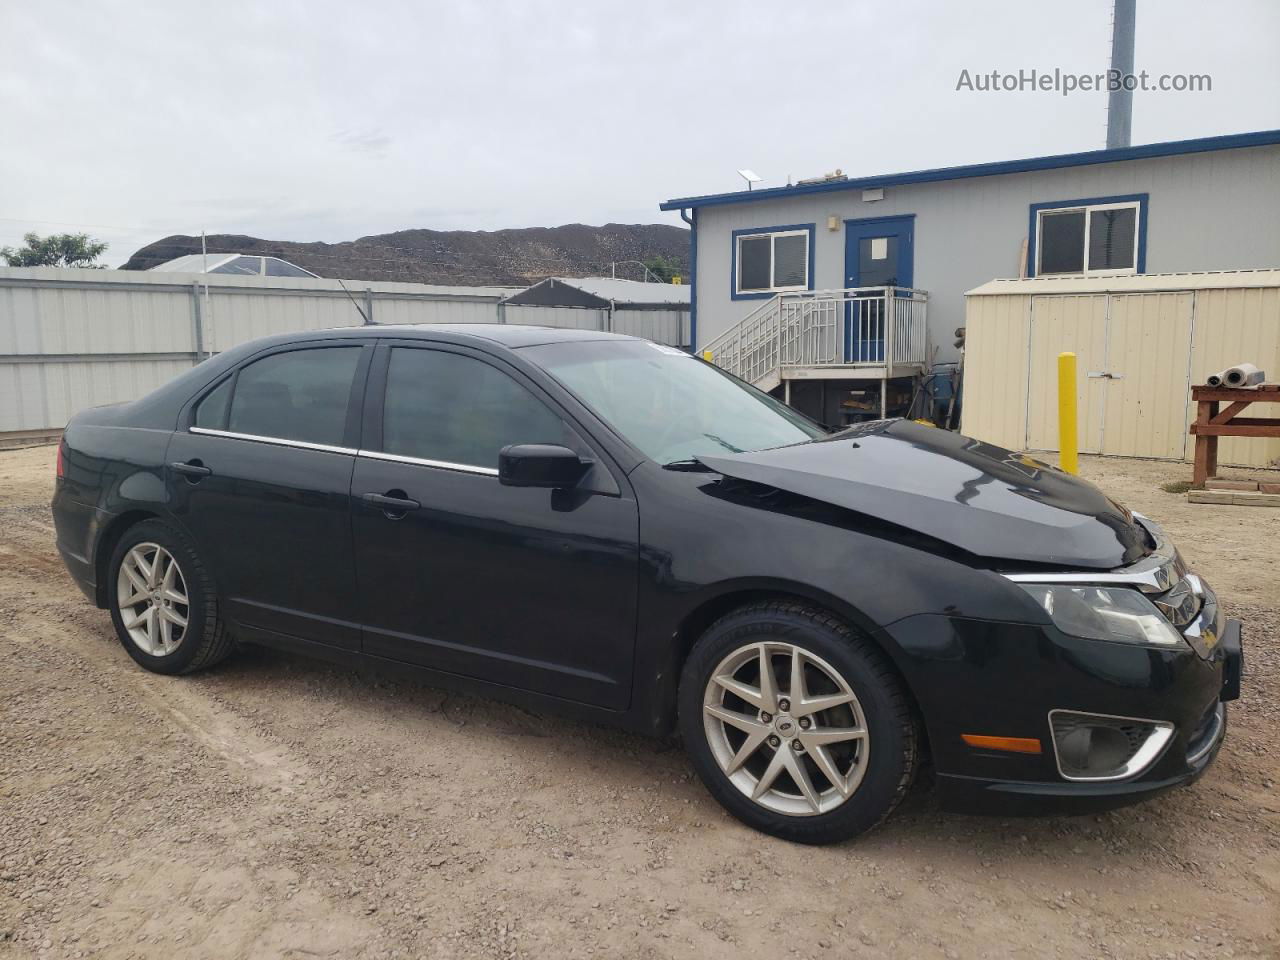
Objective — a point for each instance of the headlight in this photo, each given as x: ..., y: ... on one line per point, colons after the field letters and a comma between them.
x: 1104, y: 613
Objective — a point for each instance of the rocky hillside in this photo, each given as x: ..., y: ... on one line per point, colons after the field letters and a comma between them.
x: 468, y: 257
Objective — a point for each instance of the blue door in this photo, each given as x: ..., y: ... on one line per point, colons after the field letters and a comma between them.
x: 879, y: 252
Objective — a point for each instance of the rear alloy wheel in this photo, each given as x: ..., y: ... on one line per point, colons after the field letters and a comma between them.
x: 164, y: 605
x: 152, y: 595
x: 796, y: 723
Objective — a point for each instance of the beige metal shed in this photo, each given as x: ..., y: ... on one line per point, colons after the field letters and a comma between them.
x: 1140, y: 342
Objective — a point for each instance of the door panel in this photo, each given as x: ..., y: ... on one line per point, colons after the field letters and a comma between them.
x: 1148, y: 346
x: 1077, y: 324
x: 530, y: 588
x: 262, y: 480
x: 273, y: 525
x: 879, y: 252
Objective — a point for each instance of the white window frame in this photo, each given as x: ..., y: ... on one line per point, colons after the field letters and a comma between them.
x: 1089, y: 209
x: 773, y: 237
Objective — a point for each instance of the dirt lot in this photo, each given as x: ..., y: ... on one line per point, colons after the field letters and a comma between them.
x: 276, y: 807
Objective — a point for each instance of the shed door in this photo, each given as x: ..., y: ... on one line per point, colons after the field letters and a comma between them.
x: 1148, y: 349
x: 1078, y: 324
x: 1132, y: 353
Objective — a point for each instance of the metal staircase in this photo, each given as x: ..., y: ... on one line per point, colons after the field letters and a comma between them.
x: 872, y: 333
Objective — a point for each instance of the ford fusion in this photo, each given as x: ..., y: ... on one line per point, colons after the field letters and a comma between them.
x: 611, y: 528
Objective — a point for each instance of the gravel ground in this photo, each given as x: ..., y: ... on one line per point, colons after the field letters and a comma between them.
x: 276, y: 807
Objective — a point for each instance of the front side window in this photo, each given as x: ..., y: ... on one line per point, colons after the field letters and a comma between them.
x: 453, y: 409
x: 1090, y: 239
x: 300, y: 395
x: 668, y: 405
x: 769, y: 262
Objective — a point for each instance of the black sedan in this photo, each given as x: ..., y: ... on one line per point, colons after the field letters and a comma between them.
x: 616, y: 529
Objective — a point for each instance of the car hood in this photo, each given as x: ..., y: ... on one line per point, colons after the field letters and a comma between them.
x: 978, y: 497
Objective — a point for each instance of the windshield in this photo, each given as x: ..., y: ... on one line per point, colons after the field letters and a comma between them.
x: 669, y: 405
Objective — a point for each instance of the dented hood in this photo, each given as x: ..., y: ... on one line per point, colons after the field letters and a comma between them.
x: 981, y: 498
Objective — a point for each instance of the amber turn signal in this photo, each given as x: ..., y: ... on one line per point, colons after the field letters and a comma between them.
x: 1009, y: 744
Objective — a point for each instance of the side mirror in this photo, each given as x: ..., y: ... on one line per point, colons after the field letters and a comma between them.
x: 540, y: 465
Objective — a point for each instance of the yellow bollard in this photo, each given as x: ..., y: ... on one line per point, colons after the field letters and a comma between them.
x: 1068, y: 431
x: 706, y: 355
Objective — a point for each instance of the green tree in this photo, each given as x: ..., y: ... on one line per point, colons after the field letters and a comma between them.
x: 664, y: 268
x: 56, y: 250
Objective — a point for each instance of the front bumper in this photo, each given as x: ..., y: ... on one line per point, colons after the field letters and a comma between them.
x: 1004, y: 679
x: 1188, y: 756
x: 1177, y: 695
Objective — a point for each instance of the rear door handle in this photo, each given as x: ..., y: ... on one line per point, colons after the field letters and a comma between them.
x: 389, y: 504
x: 192, y: 468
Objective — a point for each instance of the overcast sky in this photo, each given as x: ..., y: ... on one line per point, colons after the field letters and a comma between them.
x: 334, y: 120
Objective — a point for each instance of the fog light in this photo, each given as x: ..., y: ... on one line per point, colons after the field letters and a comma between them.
x: 1095, y: 746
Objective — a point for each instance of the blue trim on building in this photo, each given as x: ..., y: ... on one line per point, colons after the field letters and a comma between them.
x: 1141, y: 199
x: 692, y: 220
x: 754, y: 231
x: 1169, y: 149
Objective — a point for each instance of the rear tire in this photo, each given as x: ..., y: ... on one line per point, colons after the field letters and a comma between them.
x: 163, y: 602
x: 826, y: 758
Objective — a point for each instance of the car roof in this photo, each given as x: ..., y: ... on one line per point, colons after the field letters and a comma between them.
x: 510, y: 335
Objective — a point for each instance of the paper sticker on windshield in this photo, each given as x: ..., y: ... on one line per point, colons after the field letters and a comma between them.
x: 662, y: 348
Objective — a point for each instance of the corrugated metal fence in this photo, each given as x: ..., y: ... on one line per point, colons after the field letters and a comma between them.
x: 71, y: 339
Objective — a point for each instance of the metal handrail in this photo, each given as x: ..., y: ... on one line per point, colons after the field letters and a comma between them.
x: 853, y: 326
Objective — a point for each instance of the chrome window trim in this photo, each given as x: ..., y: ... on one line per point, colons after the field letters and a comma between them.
x: 275, y: 441
x: 1160, y: 737
x: 423, y: 462
x: 368, y: 454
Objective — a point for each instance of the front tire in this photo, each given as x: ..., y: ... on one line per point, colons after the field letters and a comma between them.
x: 163, y: 603
x: 796, y: 724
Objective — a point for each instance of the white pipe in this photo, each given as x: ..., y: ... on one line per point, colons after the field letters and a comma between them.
x: 1243, y: 375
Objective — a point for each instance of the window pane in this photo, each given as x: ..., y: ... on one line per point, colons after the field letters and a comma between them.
x: 280, y: 268
x: 212, y: 412
x: 791, y: 261
x: 300, y: 395
x: 1111, y: 234
x: 443, y: 406
x: 668, y: 404
x: 1062, y: 242
x: 753, y: 263
x: 249, y: 265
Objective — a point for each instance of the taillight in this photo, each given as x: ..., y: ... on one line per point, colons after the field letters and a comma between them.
x: 62, y: 466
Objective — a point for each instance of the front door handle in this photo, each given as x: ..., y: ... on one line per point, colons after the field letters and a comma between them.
x: 193, y: 470
x: 390, y: 504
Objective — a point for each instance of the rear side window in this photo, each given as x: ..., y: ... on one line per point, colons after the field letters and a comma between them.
x: 212, y: 411
x: 450, y: 408
x: 300, y: 395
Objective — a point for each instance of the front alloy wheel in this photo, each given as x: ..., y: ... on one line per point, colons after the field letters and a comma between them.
x: 786, y: 728
x: 797, y: 723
